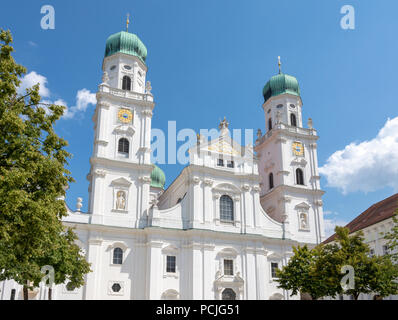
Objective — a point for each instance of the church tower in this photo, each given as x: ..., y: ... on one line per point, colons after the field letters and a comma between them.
x: 288, y: 164
x: 120, y: 175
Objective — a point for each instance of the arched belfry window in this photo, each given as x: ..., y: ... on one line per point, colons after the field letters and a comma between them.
x: 299, y: 177
x: 126, y: 83
x: 293, y: 120
x: 117, y: 256
x: 228, y: 294
x: 123, y: 146
x: 226, y: 209
x: 271, y: 180
x: 270, y: 124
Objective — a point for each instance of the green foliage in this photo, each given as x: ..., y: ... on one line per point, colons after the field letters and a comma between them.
x: 318, y: 271
x: 32, y: 180
x: 392, y: 238
x: 297, y: 276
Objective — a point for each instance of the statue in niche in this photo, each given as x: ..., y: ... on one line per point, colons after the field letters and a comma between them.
x: 303, y: 221
x: 121, y: 200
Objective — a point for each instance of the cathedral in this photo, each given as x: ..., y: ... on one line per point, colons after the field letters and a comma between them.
x: 221, y: 229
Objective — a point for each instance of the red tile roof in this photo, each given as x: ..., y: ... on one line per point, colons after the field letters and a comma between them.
x: 378, y: 212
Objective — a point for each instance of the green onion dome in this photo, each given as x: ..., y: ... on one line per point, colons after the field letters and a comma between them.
x: 281, y: 84
x: 127, y: 43
x: 158, y: 178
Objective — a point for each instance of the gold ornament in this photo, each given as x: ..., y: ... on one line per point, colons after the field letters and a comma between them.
x: 298, y: 149
x: 125, y: 116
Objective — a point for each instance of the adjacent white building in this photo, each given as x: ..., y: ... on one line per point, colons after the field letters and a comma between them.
x: 375, y: 222
x: 222, y: 227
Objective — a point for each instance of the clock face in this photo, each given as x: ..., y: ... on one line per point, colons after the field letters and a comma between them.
x: 298, y: 149
x: 125, y: 115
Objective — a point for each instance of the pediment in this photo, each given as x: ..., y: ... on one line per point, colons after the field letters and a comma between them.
x: 302, y: 205
x: 237, y: 279
x: 125, y: 129
x: 121, y: 182
x: 223, y: 147
x: 274, y: 256
x: 226, y: 188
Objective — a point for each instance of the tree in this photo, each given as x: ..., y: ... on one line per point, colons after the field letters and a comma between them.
x: 32, y: 181
x: 392, y: 237
x: 298, y: 276
x: 319, y: 271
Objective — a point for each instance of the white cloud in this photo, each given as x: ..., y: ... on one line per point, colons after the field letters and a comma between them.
x: 330, y: 224
x: 84, y: 98
x: 31, y: 79
x: 32, y: 43
x: 366, y: 166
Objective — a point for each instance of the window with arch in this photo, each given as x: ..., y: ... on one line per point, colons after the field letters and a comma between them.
x: 126, y: 83
x: 293, y: 120
x: 123, y: 146
x: 228, y: 294
x: 271, y: 180
x: 226, y: 209
x: 117, y: 256
x: 270, y: 124
x: 299, y: 177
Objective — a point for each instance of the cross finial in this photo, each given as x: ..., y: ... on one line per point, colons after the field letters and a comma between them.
x: 279, y: 64
x: 223, y: 124
x: 127, y: 22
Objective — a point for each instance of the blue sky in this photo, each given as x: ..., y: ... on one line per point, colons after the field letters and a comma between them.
x: 209, y: 59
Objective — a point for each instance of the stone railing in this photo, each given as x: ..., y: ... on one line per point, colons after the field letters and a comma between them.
x: 126, y: 94
x: 292, y: 129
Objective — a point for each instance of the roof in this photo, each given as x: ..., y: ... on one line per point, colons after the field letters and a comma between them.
x: 376, y: 213
x: 158, y: 178
x: 280, y: 84
x: 127, y: 43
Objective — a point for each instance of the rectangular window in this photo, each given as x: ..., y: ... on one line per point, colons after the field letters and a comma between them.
x: 385, y: 249
x: 274, y: 267
x: 220, y: 162
x: 171, y: 264
x: 231, y: 164
x: 228, y: 267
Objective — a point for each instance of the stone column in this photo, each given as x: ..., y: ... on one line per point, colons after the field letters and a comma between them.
x: 154, y: 270
x: 93, y: 278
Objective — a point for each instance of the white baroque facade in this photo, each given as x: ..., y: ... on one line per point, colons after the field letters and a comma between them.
x: 221, y: 228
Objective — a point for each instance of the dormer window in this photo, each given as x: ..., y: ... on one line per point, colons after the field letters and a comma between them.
x: 220, y: 162
x: 231, y: 164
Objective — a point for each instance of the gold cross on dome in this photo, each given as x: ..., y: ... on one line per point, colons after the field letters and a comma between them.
x: 279, y: 63
x: 127, y: 22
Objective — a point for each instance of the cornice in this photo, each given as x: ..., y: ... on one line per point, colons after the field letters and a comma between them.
x: 121, y: 164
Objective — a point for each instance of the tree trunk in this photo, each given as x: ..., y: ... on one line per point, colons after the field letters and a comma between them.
x: 25, y: 293
x: 356, y: 296
x: 50, y: 292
